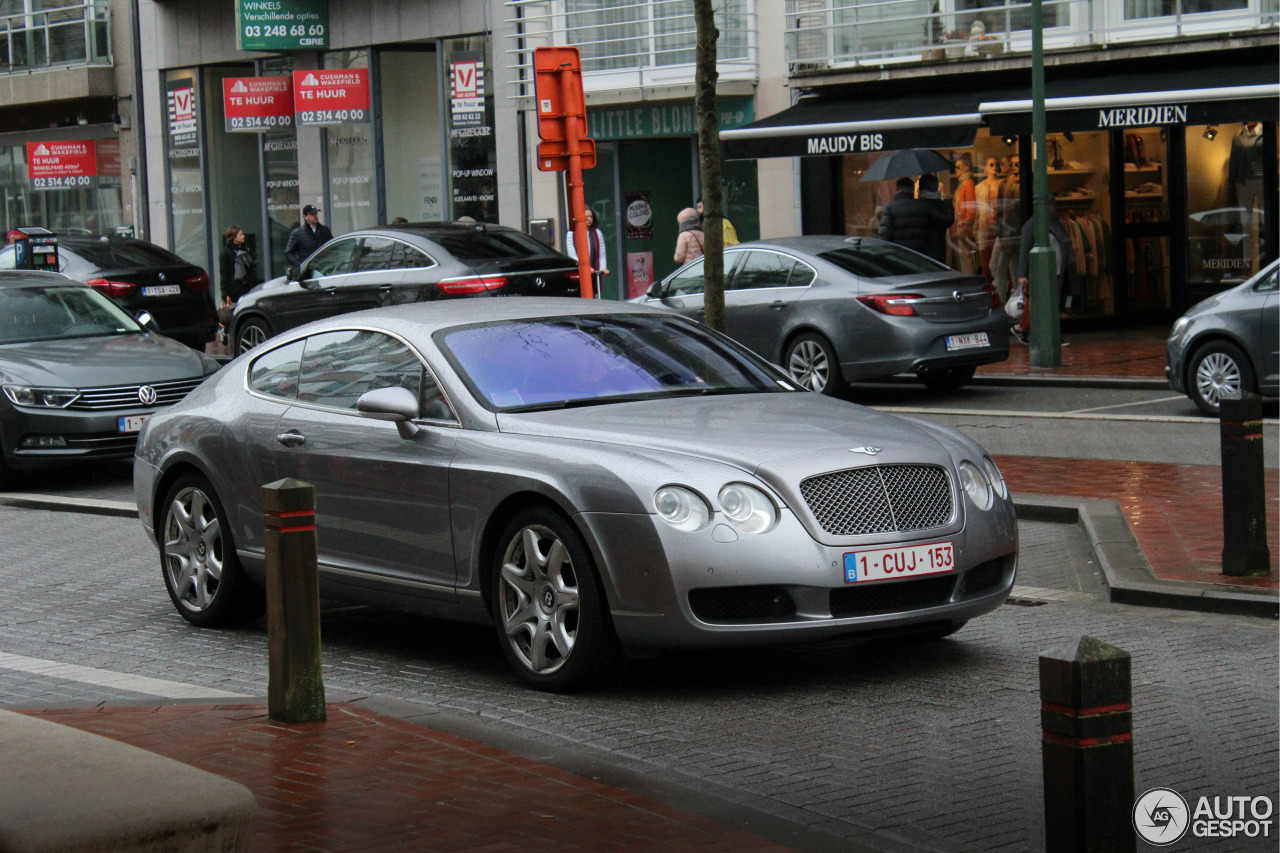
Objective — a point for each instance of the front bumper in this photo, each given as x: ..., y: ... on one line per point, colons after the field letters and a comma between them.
x: 669, y: 589
x: 27, y: 435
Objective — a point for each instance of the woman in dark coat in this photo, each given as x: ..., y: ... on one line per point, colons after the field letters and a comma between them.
x: 237, y: 272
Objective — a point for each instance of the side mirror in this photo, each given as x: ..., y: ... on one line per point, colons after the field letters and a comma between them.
x: 391, y: 404
x: 292, y: 273
x: 655, y: 290
x: 146, y: 321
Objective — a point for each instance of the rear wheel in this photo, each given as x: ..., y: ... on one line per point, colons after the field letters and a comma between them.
x: 198, y: 559
x: 1218, y: 369
x: 811, y: 362
x: 251, y: 333
x: 548, y: 607
x: 945, y: 378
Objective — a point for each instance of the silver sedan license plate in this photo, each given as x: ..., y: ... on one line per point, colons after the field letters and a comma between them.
x: 881, y: 564
x: 976, y: 339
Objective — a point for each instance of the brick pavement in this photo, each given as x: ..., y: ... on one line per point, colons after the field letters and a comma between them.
x: 363, y: 781
x: 1092, y: 355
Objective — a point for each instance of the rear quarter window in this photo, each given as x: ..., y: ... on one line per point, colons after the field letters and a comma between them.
x: 275, y: 373
x: 881, y: 260
x: 493, y: 246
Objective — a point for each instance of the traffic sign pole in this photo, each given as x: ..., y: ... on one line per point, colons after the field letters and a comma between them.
x: 577, y: 195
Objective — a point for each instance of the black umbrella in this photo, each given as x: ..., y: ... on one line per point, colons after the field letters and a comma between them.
x: 908, y: 162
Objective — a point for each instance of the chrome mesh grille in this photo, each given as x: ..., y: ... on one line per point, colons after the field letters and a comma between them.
x: 879, y: 499
x: 126, y: 396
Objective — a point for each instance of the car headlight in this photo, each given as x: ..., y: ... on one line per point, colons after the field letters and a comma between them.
x: 996, y: 478
x: 747, y: 508
x: 682, y: 508
x: 41, y: 398
x: 1179, y: 327
x: 975, y: 485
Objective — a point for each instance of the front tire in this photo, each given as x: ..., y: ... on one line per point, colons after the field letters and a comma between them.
x: 945, y: 378
x: 548, y: 607
x: 251, y: 333
x: 198, y: 559
x: 1218, y: 369
x: 812, y: 363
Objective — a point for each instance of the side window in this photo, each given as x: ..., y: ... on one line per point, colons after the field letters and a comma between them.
x: 687, y: 282
x: 406, y: 257
x: 333, y: 259
x: 802, y: 275
x: 8, y: 258
x: 434, y: 403
x: 764, y: 269
x: 377, y: 253
x: 275, y: 373
x: 337, y: 367
x: 1268, y: 283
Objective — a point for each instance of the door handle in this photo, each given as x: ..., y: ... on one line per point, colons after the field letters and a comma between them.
x: 386, y: 288
x: 292, y: 438
x: 777, y: 304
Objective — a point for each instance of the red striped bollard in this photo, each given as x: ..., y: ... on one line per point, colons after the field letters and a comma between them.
x: 1244, y: 494
x: 1086, y: 714
x: 295, y: 691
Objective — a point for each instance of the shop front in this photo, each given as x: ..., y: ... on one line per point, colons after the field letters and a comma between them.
x: 1167, y: 188
x: 67, y: 180
x: 646, y: 173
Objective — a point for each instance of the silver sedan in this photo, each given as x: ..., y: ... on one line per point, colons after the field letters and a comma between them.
x: 590, y: 478
x: 834, y: 310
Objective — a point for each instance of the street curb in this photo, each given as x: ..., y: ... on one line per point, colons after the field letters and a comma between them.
x: 1129, y: 577
x: 1128, y: 574
x: 1123, y: 384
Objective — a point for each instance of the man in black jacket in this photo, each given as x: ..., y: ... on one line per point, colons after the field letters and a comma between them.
x: 307, y: 237
x: 917, y: 223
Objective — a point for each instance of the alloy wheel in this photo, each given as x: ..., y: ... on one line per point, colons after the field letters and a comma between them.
x: 250, y: 336
x: 808, y: 365
x: 193, y: 549
x: 1218, y: 376
x: 539, y: 602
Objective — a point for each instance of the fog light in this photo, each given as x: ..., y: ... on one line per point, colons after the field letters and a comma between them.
x: 40, y: 441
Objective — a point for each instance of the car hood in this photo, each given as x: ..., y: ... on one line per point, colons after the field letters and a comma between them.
x: 784, y: 436
x: 91, y: 362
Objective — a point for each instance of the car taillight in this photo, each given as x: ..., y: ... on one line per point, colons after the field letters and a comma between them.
x: 198, y: 282
x: 114, y: 289
x: 574, y: 276
x: 991, y: 291
x: 471, y: 284
x: 897, y: 304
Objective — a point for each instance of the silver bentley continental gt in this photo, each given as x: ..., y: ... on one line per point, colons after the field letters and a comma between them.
x: 591, y: 478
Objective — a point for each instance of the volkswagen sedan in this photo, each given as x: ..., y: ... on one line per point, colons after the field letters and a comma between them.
x: 589, y: 478
x: 79, y: 376
x: 834, y: 310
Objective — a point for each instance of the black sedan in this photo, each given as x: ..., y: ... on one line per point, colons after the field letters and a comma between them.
x: 399, y: 264
x: 78, y: 376
x: 141, y: 276
x: 834, y: 310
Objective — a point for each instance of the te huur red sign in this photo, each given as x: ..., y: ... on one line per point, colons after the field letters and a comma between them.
x: 331, y: 96
x: 62, y: 165
x: 255, y: 104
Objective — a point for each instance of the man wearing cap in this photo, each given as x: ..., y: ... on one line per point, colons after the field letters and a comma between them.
x: 307, y: 237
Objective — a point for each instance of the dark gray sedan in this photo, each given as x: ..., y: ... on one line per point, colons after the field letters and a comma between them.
x: 587, y: 477
x: 833, y: 310
x: 79, y: 376
x: 397, y: 264
x: 1228, y: 343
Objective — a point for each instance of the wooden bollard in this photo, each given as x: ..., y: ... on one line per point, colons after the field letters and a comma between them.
x: 1244, y: 496
x: 1086, y: 714
x: 295, y: 692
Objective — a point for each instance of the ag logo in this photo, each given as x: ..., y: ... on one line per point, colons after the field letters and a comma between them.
x: 1161, y: 816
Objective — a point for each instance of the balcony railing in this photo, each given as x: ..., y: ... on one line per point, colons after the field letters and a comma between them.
x: 628, y: 44
x: 77, y: 33
x: 826, y: 34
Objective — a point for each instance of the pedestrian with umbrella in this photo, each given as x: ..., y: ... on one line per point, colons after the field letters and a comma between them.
x: 918, y: 223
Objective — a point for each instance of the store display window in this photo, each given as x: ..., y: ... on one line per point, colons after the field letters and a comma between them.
x: 348, y: 150
x: 280, y: 174
x: 1225, y: 223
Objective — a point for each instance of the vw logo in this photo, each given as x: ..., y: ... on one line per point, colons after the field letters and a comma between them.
x: 870, y: 451
x: 160, y: 276
x: 539, y: 282
x: 147, y: 395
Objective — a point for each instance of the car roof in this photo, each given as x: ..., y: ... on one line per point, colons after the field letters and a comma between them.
x: 445, y: 313
x: 430, y: 229
x: 813, y: 244
x: 28, y: 278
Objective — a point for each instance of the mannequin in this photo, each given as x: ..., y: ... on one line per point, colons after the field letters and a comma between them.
x: 964, y: 201
x: 987, y: 199
x: 1244, y: 171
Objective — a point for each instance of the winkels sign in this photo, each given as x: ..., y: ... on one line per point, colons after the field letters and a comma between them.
x: 338, y: 96
x: 282, y: 24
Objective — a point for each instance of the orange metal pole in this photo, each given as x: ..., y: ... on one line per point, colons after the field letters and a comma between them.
x: 577, y: 197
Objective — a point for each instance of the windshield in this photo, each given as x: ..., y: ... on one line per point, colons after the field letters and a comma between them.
x: 59, y: 313
x: 546, y: 363
x: 882, y: 260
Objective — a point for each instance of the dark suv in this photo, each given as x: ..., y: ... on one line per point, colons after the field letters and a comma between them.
x: 398, y: 264
x: 140, y: 276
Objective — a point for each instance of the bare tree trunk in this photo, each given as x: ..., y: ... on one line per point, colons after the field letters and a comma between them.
x: 709, y: 161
